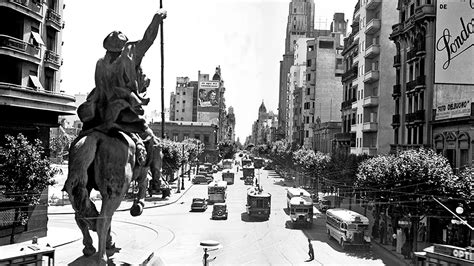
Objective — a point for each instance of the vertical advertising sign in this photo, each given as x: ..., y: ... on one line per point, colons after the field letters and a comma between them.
x: 454, y: 42
x: 208, y: 101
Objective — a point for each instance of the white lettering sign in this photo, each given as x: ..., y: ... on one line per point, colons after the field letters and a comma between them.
x: 209, y: 84
x: 454, y: 43
x: 452, y: 110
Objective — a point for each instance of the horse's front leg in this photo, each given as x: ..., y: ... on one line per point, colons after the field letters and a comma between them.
x: 109, y: 206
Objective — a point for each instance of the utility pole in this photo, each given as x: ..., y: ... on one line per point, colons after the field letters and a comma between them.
x: 162, y: 78
x: 182, y: 172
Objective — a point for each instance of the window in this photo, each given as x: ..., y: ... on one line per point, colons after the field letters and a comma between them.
x: 308, y: 91
x: 294, y: 10
x: 306, y: 133
x: 182, y: 110
x: 186, y: 136
x: 184, y: 102
x: 206, y: 139
x: 326, y: 44
x: 184, y: 93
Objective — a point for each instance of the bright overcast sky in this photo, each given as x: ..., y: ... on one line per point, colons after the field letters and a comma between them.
x: 245, y: 37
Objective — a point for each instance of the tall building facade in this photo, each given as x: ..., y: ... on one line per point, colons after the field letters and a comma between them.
x: 300, y: 25
x: 30, y: 62
x: 346, y: 139
x: 373, y: 104
x: 264, y: 128
x: 433, y: 101
x: 182, y: 101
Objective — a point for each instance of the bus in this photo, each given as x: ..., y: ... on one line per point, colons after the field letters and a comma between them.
x: 228, y: 164
x: 349, y: 228
x: 228, y: 176
x: 248, y: 174
x: 258, y: 203
x: 301, y: 211
x: 295, y: 192
x: 247, y: 162
x: 217, y: 191
x: 259, y: 162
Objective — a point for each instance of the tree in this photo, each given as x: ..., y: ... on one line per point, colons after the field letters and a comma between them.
x: 193, y: 148
x: 173, y: 157
x: 227, y: 149
x: 24, y: 171
x: 405, y: 183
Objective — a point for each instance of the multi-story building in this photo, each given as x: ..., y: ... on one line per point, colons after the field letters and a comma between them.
x: 323, y: 94
x: 30, y: 61
x: 181, y: 130
x: 263, y: 129
x: 375, y: 76
x: 296, y: 82
x: 347, y: 138
x: 324, y: 136
x: 300, y: 25
x: 433, y: 101
x: 30, y: 96
x: 229, y: 125
x: 182, y: 100
x: 297, y: 121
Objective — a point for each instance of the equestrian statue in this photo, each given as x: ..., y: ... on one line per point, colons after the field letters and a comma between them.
x: 115, y: 146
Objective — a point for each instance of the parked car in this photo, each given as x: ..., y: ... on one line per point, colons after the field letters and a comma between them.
x: 199, y: 204
x: 201, y: 179
x: 219, y: 211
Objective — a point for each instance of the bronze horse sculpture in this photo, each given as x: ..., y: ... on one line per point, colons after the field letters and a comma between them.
x: 106, y: 163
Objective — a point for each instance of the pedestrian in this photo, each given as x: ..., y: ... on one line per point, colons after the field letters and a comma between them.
x: 205, y: 258
x: 310, y: 250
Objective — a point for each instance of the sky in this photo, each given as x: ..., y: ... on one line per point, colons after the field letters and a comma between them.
x: 245, y: 37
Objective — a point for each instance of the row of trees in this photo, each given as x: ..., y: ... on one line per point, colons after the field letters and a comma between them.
x: 406, y: 181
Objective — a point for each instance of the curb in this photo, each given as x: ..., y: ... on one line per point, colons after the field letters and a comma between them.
x: 146, y: 207
x: 403, y: 261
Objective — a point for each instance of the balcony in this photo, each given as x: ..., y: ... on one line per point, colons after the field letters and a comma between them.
x: 52, y: 60
x: 19, y: 49
x: 369, y: 127
x: 370, y: 101
x: 371, y: 151
x: 411, y: 85
x: 354, y: 105
x: 349, y: 74
x: 372, y: 26
x: 39, y: 99
x: 397, y: 29
x: 416, y: 117
x: 396, y: 60
x: 357, y: 10
x: 411, y: 55
x: 420, y: 82
x: 371, y: 76
x: 396, y: 90
x: 372, y: 51
x: 343, y: 137
x: 53, y: 19
x: 354, y: 128
x: 30, y: 8
x: 424, y: 11
x: 372, y: 4
x: 395, y: 119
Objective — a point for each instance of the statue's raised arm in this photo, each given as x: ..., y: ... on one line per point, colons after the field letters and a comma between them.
x: 149, y: 37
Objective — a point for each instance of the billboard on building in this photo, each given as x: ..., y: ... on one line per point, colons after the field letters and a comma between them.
x: 453, y: 109
x: 454, y: 43
x: 211, y: 117
x: 208, y: 96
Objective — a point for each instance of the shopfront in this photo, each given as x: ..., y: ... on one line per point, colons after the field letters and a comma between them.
x: 445, y: 255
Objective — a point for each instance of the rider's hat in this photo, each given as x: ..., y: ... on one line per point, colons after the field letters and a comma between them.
x: 115, y: 41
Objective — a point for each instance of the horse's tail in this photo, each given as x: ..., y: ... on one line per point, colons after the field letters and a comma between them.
x: 81, y: 156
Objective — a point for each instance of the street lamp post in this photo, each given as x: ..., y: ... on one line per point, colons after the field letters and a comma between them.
x: 182, y: 172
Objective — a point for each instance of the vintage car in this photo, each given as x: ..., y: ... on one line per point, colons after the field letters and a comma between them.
x: 201, y: 179
x: 219, y: 211
x: 199, y: 204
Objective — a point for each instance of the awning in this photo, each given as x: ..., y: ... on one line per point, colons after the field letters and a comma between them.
x: 36, y: 82
x: 37, y: 37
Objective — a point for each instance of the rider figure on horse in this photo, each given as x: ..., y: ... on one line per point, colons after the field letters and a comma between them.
x: 116, y: 102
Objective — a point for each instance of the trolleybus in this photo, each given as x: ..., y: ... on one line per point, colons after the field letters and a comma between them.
x: 217, y: 191
x: 258, y: 203
x: 349, y: 228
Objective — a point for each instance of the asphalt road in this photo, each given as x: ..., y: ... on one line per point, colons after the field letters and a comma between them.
x: 173, y: 233
x: 245, y: 241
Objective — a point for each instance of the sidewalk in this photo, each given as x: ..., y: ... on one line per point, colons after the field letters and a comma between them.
x: 391, y: 249
x: 58, y: 235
